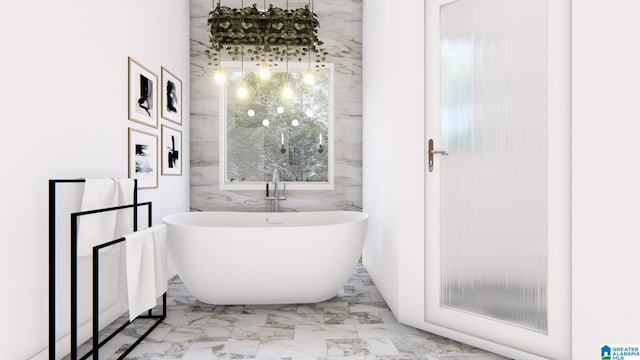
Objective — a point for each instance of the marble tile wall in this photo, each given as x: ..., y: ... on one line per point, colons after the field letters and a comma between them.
x: 341, y: 30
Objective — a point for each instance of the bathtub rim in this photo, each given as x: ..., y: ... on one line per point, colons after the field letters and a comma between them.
x: 363, y: 216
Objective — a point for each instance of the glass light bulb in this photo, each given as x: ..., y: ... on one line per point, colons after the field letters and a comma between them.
x: 287, y: 93
x: 265, y: 122
x: 251, y: 113
x: 309, y: 78
x: 264, y: 72
x: 219, y: 76
x: 242, y: 92
x: 295, y: 122
x: 280, y: 110
x: 309, y: 113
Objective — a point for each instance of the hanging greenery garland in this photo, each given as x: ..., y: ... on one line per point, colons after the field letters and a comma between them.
x: 268, y: 36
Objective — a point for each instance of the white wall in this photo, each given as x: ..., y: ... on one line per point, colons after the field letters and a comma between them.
x: 394, y: 161
x: 64, y: 115
x: 606, y: 175
x: 393, y: 129
x: 605, y: 170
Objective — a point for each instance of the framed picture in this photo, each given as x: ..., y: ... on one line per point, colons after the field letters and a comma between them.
x: 171, y: 151
x: 143, y: 158
x: 171, y: 89
x: 143, y: 106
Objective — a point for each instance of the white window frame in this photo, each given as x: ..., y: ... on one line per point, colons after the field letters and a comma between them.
x: 260, y: 185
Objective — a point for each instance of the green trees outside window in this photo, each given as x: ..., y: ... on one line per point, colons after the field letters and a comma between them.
x: 265, y: 131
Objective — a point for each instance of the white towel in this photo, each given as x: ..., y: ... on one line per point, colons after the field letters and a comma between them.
x: 160, y: 258
x: 124, y: 225
x: 141, y: 282
x: 146, y: 259
x: 124, y: 222
x: 96, y: 229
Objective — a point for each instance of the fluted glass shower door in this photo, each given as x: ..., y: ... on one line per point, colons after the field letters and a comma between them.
x: 494, y: 184
x: 491, y: 166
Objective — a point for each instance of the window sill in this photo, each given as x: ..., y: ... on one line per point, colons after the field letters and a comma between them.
x: 290, y: 186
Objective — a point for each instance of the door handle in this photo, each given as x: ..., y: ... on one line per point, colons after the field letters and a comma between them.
x: 431, y: 152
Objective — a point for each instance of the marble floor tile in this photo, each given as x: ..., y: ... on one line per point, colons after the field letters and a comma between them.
x: 292, y: 348
x: 331, y: 303
x: 442, y: 348
x: 205, y: 308
x: 443, y: 343
x: 160, y: 332
x: 352, y: 318
x: 233, y: 320
x: 349, y: 289
x: 262, y: 333
x: 187, y: 335
x: 288, y: 320
x: 385, y: 330
x: 182, y: 316
x: 388, y: 317
x: 309, y: 309
x: 414, y: 345
x: 270, y: 309
x: 468, y: 357
x: 373, y: 307
x: 373, y: 292
x: 307, y: 332
x: 215, y: 333
x: 381, y: 347
x: 336, y: 310
x: 235, y: 349
x: 232, y: 310
x: 148, y: 351
x: 107, y: 351
x: 361, y: 347
x: 356, y: 299
x: 356, y: 324
x: 203, y: 351
x: 367, y: 282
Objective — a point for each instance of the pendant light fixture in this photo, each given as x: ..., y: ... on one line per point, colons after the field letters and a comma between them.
x: 287, y: 93
x: 309, y: 78
x: 242, y: 90
x: 218, y: 76
x: 264, y: 72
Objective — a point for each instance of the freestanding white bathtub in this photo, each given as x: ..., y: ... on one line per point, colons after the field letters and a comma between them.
x: 265, y: 258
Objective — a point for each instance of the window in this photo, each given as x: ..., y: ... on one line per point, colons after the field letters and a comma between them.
x: 265, y: 130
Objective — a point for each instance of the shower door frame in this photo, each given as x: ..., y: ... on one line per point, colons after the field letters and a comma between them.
x: 557, y: 342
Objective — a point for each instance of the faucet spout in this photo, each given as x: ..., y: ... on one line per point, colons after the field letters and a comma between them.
x: 275, y: 199
x: 275, y: 181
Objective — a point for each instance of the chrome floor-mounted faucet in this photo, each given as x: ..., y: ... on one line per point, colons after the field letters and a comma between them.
x: 275, y: 199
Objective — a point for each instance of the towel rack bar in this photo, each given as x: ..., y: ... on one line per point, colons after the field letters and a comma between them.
x: 96, y: 286
x: 96, y: 344
x: 97, y: 211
